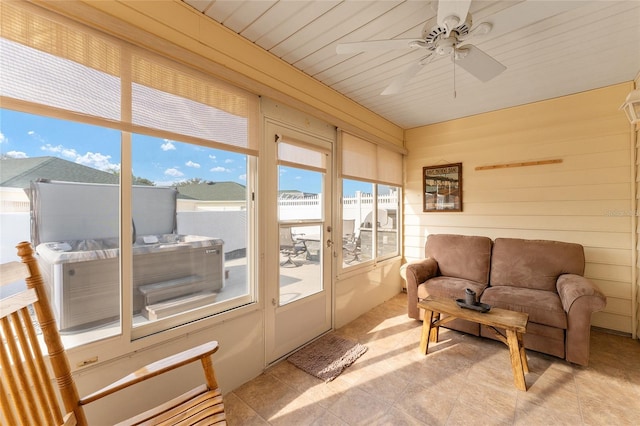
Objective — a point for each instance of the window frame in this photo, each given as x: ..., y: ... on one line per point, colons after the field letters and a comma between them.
x: 375, y: 259
x: 125, y: 342
x: 377, y: 164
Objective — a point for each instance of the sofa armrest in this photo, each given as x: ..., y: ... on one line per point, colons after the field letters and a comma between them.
x: 415, y: 274
x: 572, y: 287
x: 580, y: 298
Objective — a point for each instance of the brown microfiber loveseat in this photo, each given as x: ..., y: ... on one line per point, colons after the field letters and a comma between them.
x: 539, y: 277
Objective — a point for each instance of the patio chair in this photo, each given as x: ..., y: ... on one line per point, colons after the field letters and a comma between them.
x: 350, y: 241
x: 290, y: 247
x: 384, y: 220
x: 26, y: 390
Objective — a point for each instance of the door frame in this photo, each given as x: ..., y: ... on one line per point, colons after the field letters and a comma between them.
x: 279, y: 119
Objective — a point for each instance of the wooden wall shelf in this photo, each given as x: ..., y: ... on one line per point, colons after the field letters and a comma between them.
x: 521, y: 164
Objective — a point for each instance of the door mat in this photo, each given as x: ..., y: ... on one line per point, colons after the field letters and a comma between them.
x: 327, y: 357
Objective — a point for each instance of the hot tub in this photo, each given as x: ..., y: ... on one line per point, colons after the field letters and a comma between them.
x: 172, y: 273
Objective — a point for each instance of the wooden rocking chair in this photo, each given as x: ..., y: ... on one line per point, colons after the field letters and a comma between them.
x: 27, y: 394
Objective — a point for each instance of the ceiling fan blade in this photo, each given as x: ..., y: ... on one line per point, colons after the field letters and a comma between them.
x: 452, y: 9
x: 400, y: 81
x: 372, y: 45
x: 478, y: 63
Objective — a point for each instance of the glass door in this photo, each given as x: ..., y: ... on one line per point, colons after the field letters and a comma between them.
x: 299, y: 300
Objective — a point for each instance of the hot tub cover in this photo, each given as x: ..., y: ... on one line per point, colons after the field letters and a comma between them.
x: 93, y: 249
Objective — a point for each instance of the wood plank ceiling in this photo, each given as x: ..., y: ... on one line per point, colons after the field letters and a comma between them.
x: 550, y: 49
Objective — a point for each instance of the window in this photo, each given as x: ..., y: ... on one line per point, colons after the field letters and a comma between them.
x: 371, y: 178
x: 137, y: 173
x: 49, y: 168
x: 189, y: 211
x: 357, y: 209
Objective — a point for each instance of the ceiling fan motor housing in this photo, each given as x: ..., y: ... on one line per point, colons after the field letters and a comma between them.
x: 436, y: 34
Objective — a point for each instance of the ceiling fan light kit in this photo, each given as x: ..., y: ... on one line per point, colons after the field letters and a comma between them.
x: 442, y: 39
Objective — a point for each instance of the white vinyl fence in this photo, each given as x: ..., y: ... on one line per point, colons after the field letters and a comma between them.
x: 228, y: 225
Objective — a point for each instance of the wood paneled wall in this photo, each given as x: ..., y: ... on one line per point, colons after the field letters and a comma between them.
x: 588, y: 198
x: 636, y: 135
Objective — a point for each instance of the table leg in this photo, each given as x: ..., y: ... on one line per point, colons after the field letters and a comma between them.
x: 435, y: 329
x: 426, y: 331
x: 523, y: 354
x: 517, y: 353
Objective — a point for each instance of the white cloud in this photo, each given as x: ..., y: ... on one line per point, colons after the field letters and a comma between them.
x: 36, y: 136
x: 59, y: 149
x: 219, y: 169
x: 167, y: 145
x: 242, y: 177
x: 173, y: 172
x: 192, y: 164
x: 213, y: 157
x: 228, y: 161
x: 17, y: 154
x: 3, y: 138
x: 97, y: 161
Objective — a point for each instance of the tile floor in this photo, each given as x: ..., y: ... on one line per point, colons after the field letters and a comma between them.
x: 463, y: 380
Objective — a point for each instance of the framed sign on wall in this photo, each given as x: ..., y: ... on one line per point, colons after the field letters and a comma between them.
x: 442, y: 188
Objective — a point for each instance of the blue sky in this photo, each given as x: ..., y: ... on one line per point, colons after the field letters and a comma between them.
x: 163, y: 161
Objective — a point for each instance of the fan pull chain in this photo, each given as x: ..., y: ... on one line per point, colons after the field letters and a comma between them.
x: 454, y: 72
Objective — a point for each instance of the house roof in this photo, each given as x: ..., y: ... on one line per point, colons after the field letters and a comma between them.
x: 292, y: 193
x: 19, y: 172
x: 213, y: 191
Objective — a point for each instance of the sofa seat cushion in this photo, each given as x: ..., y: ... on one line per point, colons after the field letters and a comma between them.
x: 534, y: 263
x: 448, y: 288
x: 461, y: 256
x: 543, y: 307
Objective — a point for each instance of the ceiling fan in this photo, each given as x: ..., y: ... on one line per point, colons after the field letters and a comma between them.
x: 444, y: 37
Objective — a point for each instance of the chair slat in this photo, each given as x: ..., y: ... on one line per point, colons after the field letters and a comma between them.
x: 17, y: 301
x: 192, y: 411
x: 30, y: 386
x: 11, y: 371
x: 27, y: 367
x: 45, y: 398
x: 11, y: 272
x: 8, y: 416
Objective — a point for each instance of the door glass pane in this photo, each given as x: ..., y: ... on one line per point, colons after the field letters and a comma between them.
x: 190, y: 221
x: 67, y: 175
x: 300, y: 233
x: 300, y: 262
x: 299, y: 194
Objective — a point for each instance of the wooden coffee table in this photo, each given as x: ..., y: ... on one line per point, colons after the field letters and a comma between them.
x: 514, y: 323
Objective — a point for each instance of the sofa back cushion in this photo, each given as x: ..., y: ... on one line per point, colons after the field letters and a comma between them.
x: 461, y: 256
x: 534, y: 263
